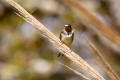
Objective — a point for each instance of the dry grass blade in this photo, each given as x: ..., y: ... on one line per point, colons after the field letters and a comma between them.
x: 78, y: 73
x: 110, y: 71
x: 104, y: 29
x: 63, y: 48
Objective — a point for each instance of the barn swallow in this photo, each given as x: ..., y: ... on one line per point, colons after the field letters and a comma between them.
x: 66, y: 36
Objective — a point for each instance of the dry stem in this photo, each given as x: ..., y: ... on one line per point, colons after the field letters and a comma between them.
x: 110, y: 71
x: 78, y: 73
x: 63, y: 48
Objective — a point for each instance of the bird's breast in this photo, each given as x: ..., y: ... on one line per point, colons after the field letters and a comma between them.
x: 67, y: 40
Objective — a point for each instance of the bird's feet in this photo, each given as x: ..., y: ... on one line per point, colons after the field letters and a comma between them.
x: 60, y: 54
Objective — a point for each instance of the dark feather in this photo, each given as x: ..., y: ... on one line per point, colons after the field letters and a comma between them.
x: 72, y: 36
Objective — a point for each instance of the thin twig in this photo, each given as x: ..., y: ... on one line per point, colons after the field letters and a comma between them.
x: 104, y: 29
x: 109, y: 69
x: 62, y: 47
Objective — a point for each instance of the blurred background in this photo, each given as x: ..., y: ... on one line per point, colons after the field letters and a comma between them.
x: 27, y: 55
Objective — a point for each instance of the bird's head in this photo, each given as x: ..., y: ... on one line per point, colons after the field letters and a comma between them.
x: 68, y: 28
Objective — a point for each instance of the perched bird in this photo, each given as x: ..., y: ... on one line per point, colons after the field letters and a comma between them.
x: 67, y: 35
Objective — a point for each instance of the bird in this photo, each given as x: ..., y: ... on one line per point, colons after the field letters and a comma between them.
x: 66, y: 36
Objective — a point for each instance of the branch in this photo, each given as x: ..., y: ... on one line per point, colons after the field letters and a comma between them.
x: 104, y: 29
x: 62, y: 47
x: 110, y: 71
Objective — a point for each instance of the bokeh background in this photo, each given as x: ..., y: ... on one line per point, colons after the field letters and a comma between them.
x: 27, y: 55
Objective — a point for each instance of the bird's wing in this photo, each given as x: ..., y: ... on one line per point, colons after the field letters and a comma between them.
x: 72, y: 36
x: 60, y: 37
